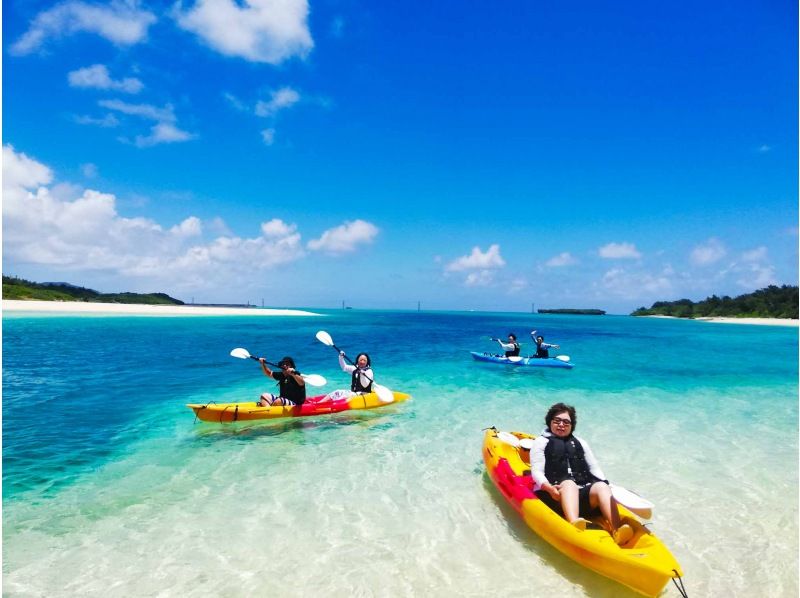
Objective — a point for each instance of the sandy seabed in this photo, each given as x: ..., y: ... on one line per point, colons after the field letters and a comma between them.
x: 126, y: 309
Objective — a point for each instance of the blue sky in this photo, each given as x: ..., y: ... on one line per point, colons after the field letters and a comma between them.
x: 465, y: 154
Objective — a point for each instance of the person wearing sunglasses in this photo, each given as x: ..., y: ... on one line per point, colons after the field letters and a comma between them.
x: 291, y: 386
x: 568, y: 477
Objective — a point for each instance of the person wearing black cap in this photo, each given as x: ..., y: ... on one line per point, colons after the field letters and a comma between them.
x: 292, y: 387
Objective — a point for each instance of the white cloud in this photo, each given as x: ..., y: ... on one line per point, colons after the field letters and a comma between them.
x: 97, y: 77
x: 478, y: 260
x: 562, y: 259
x: 285, y: 97
x: 163, y: 131
x: 67, y: 228
x: 619, y: 251
x: 277, y: 228
x: 764, y: 148
x: 268, y: 31
x: 518, y: 284
x: 89, y: 170
x: 635, y: 285
x: 759, y: 254
x: 710, y: 252
x: 108, y: 121
x: 479, y: 278
x: 268, y: 135
x: 345, y: 238
x: 121, y: 22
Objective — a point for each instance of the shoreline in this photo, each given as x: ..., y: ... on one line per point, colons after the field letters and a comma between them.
x: 130, y: 309
x: 724, y: 320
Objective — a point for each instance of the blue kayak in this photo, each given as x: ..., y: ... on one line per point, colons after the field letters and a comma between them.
x: 545, y: 362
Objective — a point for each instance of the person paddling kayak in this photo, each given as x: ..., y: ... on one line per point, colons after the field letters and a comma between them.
x: 361, y: 375
x: 542, y: 347
x: 568, y: 478
x: 292, y: 386
x: 511, y: 347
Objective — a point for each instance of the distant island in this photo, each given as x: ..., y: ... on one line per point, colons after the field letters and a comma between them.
x: 18, y: 288
x: 769, y: 302
x: 580, y: 312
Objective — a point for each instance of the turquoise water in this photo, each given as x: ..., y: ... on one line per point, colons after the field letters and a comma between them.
x: 110, y: 488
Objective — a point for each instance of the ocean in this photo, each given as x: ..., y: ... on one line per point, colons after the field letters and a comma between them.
x: 111, y: 488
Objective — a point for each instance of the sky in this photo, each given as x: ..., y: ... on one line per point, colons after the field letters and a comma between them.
x: 463, y: 154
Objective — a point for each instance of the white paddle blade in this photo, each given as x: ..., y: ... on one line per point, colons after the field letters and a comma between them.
x: 324, y: 338
x: 240, y: 353
x: 515, y: 359
x: 562, y: 357
x: 632, y: 501
x: 384, y: 394
x: 315, y: 379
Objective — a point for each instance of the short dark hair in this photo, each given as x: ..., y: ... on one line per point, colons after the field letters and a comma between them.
x: 286, y: 361
x: 512, y: 335
x: 369, y: 363
x: 560, y: 408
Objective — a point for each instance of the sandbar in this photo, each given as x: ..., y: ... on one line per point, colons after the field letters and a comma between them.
x: 756, y: 321
x: 128, y: 309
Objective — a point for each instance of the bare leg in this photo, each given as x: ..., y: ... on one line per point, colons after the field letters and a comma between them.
x: 569, y: 499
x: 600, y: 496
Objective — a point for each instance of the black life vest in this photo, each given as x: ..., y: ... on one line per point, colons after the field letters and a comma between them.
x: 355, y: 383
x: 514, y: 352
x: 289, y: 388
x: 565, y: 460
x: 541, y: 351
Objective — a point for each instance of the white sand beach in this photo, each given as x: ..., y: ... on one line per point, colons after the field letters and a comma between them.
x: 756, y: 321
x: 80, y: 307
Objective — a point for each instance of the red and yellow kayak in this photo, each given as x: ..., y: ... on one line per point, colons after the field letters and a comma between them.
x: 643, y: 564
x: 321, y: 405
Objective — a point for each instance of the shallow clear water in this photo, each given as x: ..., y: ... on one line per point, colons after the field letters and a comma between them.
x: 111, y: 488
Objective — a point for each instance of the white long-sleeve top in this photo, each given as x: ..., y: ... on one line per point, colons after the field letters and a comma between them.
x: 366, y: 376
x: 538, y: 460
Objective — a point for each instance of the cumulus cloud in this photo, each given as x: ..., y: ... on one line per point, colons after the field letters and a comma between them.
x: 710, y: 252
x: 478, y: 265
x: 755, y: 255
x: 478, y: 260
x: 562, y: 259
x: 285, y: 97
x: 636, y: 285
x: 619, y: 251
x: 121, y: 22
x: 270, y: 31
x: 164, y: 130
x: 69, y: 228
x: 345, y: 238
x: 98, y: 77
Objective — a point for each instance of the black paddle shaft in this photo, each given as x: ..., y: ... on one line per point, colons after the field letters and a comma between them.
x: 265, y: 361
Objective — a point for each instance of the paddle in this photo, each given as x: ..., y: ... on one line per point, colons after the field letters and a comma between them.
x: 312, y: 379
x: 384, y: 394
x: 632, y: 501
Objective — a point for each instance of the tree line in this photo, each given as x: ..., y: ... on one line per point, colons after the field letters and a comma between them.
x: 19, y: 288
x: 770, y: 302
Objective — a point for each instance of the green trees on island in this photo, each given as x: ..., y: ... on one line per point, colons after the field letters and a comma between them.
x: 18, y: 288
x: 770, y: 302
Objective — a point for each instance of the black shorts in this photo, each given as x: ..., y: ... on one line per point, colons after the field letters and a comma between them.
x: 585, y: 509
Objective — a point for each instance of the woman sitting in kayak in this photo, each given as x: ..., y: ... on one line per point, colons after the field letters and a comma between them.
x: 541, y: 346
x: 361, y: 376
x: 568, y: 478
x: 292, y: 387
x: 511, y: 347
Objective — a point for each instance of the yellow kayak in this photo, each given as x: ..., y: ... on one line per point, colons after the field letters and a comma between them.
x: 643, y: 564
x: 321, y: 405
